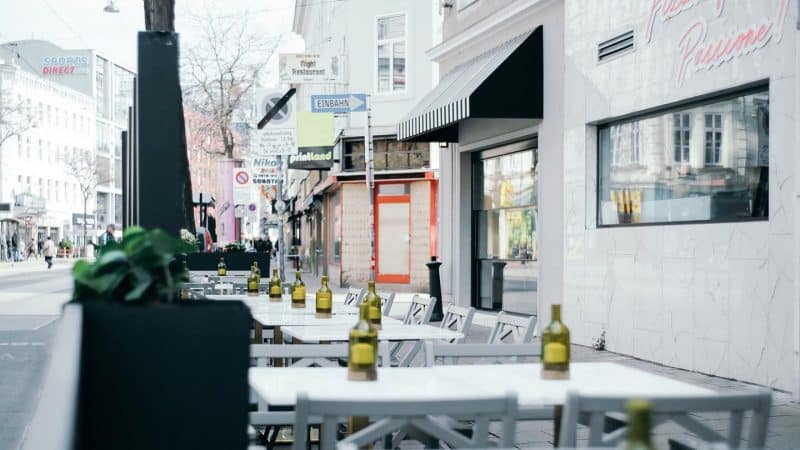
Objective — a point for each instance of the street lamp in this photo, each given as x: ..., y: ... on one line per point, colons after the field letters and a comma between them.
x: 111, y: 7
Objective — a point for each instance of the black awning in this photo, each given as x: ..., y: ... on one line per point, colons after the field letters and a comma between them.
x: 505, y: 82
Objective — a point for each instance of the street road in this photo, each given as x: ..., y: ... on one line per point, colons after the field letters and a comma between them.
x: 31, y: 298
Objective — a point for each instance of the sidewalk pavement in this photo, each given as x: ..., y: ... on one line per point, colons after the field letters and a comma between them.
x: 33, y: 265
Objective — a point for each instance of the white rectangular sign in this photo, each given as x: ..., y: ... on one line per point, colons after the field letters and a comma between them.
x: 308, y: 68
x: 269, y: 178
x: 279, y: 136
x: 242, y: 186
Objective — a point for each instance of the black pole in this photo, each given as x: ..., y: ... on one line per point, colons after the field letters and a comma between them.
x: 435, y: 286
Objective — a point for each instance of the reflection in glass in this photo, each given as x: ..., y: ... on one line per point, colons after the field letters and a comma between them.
x: 705, y: 162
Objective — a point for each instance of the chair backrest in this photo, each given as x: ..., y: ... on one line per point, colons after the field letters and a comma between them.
x: 457, y: 318
x: 387, y: 300
x: 310, y: 355
x: 424, y: 416
x: 512, y: 329
x: 420, y: 310
x: 449, y: 353
x: 354, y: 296
x: 672, y: 409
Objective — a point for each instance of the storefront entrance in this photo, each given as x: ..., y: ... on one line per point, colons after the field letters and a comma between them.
x: 393, y: 236
x: 504, y: 218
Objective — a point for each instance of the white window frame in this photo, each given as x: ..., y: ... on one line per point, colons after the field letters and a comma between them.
x: 378, y: 42
x: 713, y: 129
x: 680, y: 128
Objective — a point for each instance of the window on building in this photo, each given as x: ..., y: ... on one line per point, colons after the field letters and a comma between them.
x: 388, y: 154
x: 688, y: 177
x: 713, y: 138
x: 682, y: 132
x: 391, y: 53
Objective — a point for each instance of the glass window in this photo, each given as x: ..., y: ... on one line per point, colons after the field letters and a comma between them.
x: 388, y: 154
x: 391, y: 53
x: 705, y: 162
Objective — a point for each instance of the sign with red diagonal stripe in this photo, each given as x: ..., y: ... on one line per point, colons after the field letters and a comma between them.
x: 242, y: 186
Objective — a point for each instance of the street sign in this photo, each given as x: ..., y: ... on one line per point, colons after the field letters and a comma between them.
x: 294, y: 68
x: 338, y: 103
x: 279, y: 136
x: 267, y: 178
x: 241, y: 186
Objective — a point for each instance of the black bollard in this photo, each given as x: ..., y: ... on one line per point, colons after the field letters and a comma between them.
x: 497, y: 284
x: 435, y: 286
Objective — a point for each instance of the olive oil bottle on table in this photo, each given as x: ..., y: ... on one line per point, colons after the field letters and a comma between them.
x: 275, y: 286
x: 374, y: 302
x: 639, y: 423
x: 222, y: 269
x: 363, y: 350
x: 555, y: 347
x: 298, y: 292
x: 256, y: 269
x: 253, y: 281
x: 324, y: 300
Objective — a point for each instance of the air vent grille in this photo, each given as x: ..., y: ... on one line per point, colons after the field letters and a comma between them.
x: 615, y: 46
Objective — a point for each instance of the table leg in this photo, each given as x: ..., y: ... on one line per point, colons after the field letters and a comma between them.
x: 557, y: 412
x: 277, y: 339
x: 258, y: 332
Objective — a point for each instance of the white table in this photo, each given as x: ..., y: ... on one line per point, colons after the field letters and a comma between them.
x: 262, y: 304
x: 268, y: 319
x: 391, y: 331
x: 279, y: 386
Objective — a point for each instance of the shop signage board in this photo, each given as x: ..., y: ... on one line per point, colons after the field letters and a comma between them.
x: 339, y: 103
x: 261, y: 177
x: 296, y: 68
x: 312, y: 158
x: 242, y: 186
x: 279, y: 136
x: 315, y: 136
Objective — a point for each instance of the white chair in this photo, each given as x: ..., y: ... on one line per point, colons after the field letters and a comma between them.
x: 678, y: 410
x: 457, y: 318
x: 420, y: 310
x: 300, y: 355
x: 450, y: 353
x: 423, y: 416
x: 512, y: 329
x: 387, y: 300
x: 354, y: 296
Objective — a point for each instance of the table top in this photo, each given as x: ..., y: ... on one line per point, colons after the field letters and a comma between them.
x: 277, y: 319
x: 262, y: 304
x: 391, y: 331
x: 279, y: 386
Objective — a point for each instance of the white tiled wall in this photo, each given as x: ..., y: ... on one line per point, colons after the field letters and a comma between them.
x: 716, y: 298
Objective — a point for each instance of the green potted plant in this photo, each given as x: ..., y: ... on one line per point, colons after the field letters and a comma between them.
x: 64, y: 247
x: 144, y: 350
x: 234, y: 247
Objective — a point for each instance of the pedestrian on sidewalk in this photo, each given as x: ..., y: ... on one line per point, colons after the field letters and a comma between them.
x: 31, y: 250
x: 49, y: 252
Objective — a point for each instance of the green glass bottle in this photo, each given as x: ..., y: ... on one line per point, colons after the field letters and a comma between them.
x: 324, y: 300
x: 222, y: 269
x: 373, y: 299
x: 298, y: 292
x: 555, y: 347
x: 639, y: 423
x: 363, y: 351
x: 256, y: 269
x: 253, y: 281
x: 275, y: 287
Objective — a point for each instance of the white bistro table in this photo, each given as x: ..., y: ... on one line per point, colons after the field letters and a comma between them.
x: 279, y: 386
x: 262, y: 304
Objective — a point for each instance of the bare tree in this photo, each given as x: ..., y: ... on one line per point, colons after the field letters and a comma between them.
x: 16, y: 116
x: 81, y: 166
x: 222, y: 68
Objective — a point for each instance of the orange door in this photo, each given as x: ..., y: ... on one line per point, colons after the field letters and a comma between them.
x: 393, y: 233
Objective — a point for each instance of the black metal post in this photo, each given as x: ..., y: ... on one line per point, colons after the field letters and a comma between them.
x: 435, y: 286
x: 497, y: 284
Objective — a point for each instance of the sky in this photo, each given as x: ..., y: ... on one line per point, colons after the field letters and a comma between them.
x: 81, y: 24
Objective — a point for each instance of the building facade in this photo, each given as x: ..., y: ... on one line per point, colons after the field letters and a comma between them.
x: 649, y: 195
x: 329, y: 222
x: 78, y: 102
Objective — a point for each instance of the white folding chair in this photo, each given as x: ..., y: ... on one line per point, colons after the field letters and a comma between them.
x: 450, y: 353
x: 425, y: 417
x: 592, y: 410
x: 387, y: 300
x: 354, y: 296
x: 419, y: 312
x: 512, y: 329
x: 300, y: 355
x: 457, y: 318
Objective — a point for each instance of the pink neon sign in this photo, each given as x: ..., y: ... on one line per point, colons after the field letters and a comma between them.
x: 699, y: 52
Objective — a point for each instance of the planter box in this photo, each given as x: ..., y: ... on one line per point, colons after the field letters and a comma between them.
x: 170, y: 376
x: 240, y: 261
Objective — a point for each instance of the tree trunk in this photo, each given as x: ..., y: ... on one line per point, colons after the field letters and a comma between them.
x: 159, y: 15
x: 85, y: 232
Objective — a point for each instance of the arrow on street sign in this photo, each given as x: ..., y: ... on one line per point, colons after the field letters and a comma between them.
x: 338, y: 103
